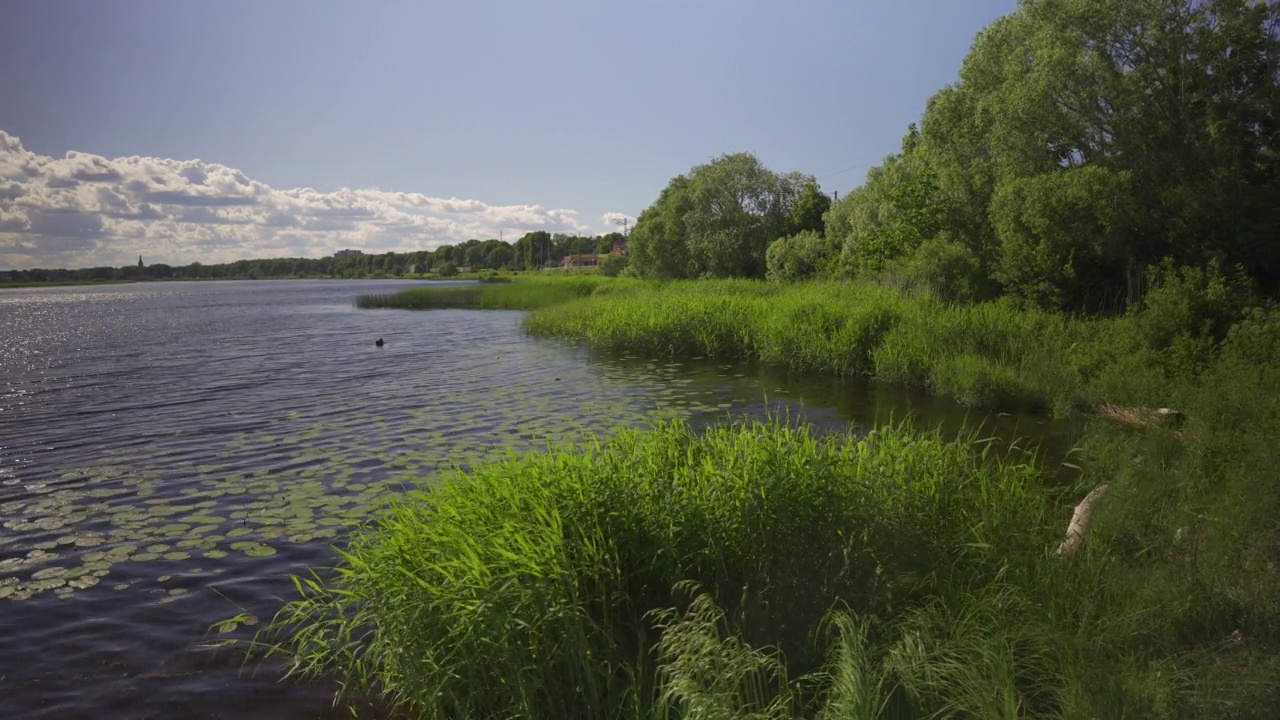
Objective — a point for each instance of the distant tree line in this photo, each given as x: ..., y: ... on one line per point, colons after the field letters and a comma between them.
x: 533, y: 251
x: 1087, y: 147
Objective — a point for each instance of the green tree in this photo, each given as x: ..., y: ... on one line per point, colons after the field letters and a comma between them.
x: 1062, y: 236
x: 499, y: 256
x: 533, y: 250
x: 660, y: 241
x: 717, y: 221
x: 1090, y: 139
x: 808, y: 210
x: 893, y: 213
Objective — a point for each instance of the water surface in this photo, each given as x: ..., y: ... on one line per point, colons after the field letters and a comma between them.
x: 171, y: 452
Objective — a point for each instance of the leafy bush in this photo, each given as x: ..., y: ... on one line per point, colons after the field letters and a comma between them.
x: 613, y: 264
x: 797, y: 257
x: 948, y: 270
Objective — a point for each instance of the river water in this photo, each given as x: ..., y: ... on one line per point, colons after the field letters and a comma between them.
x: 171, y: 452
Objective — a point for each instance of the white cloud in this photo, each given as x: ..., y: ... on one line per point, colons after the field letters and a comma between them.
x: 85, y: 210
x: 617, y: 218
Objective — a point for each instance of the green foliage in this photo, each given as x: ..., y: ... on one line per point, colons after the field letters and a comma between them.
x: 797, y: 257
x: 446, y: 269
x: 1085, y: 141
x: 946, y: 269
x: 613, y: 264
x: 808, y: 210
x: 535, y: 587
x: 987, y: 355
x: 717, y: 221
x: 659, y: 242
x: 1061, y: 236
x: 891, y: 215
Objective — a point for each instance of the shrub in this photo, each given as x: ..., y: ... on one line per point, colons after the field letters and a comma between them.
x: 797, y: 257
x: 613, y: 264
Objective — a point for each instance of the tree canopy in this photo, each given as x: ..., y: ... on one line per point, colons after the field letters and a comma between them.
x: 1084, y: 142
x: 717, y: 221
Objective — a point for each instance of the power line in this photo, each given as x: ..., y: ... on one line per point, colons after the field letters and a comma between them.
x: 860, y: 165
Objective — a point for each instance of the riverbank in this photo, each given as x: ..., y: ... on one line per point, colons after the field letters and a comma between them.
x: 759, y: 571
x: 990, y: 355
x: 13, y: 284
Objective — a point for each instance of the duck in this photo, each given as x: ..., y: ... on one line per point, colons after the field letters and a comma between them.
x: 378, y: 342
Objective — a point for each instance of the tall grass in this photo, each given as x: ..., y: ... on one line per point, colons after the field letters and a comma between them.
x: 990, y: 355
x: 759, y: 571
x: 527, y: 588
x: 524, y: 293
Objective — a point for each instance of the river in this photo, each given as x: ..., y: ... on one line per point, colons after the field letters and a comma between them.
x: 171, y: 452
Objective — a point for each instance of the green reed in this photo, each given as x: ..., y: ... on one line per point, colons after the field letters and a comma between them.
x: 988, y: 355
x: 528, y: 588
x: 758, y: 570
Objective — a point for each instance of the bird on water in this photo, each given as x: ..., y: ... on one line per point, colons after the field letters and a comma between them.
x: 378, y: 342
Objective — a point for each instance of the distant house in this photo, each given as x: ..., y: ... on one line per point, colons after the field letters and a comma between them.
x: 347, y: 253
x: 466, y: 268
x: 619, y: 247
x: 580, y: 261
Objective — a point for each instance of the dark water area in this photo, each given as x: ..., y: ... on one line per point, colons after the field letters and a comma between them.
x: 171, y: 452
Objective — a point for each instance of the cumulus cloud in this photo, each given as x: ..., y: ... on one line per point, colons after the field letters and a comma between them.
x: 85, y: 210
x: 617, y: 218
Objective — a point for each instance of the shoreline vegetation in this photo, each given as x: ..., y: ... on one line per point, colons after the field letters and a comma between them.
x: 992, y: 355
x: 756, y: 570
x: 1083, y: 223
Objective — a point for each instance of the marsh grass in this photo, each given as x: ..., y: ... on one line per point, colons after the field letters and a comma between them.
x: 759, y: 571
x: 991, y: 355
x: 522, y: 293
x: 528, y: 588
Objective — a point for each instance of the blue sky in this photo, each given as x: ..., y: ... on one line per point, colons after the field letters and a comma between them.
x: 441, y: 120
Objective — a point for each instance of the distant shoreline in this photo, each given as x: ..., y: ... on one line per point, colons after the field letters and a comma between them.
x: 4, y: 285
x: 485, y: 276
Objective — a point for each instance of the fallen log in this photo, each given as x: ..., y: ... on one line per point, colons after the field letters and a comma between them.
x: 1080, y: 519
x: 1139, y: 416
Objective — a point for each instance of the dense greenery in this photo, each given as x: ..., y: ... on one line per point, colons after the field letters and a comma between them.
x: 1094, y: 155
x: 991, y: 354
x: 1084, y: 143
x: 526, y: 589
x: 759, y: 571
x: 718, y: 220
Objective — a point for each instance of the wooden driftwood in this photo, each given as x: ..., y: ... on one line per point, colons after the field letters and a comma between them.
x: 1079, y: 526
x: 1140, y: 417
